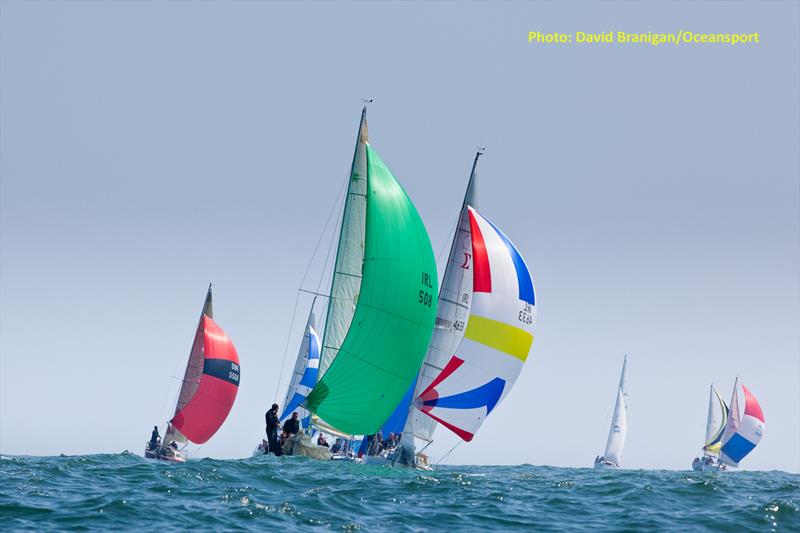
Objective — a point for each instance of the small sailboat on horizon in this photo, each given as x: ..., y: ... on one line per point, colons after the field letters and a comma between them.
x: 612, y: 457
x: 207, y: 393
x: 739, y: 434
x: 716, y: 422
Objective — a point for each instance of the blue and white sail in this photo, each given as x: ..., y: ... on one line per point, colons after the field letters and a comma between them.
x: 305, y: 374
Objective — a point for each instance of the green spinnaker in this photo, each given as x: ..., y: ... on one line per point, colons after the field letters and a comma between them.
x: 394, y: 317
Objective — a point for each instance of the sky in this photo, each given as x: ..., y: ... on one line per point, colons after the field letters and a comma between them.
x: 147, y: 149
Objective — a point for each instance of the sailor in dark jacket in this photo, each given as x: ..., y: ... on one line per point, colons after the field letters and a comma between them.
x: 272, y: 428
x: 154, y: 438
x: 292, y: 426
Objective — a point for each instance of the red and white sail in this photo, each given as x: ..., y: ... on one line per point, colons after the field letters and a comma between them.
x: 209, y: 386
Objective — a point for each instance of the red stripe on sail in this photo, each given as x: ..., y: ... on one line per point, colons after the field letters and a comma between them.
x: 211, y: 403
x: 465, y: 435
x: 451, y: 366
x: 751, y: 406
x: 482, y: 276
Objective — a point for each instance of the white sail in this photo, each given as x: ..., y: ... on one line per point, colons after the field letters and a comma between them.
x: 346, y: 282
x: 715, y: 423
x: 618, y: 431
x: 619, y: 423
x: 455, y: 297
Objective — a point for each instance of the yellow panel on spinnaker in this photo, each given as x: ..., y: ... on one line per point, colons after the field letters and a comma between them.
x: 713, y: 448
x: 500, y: 336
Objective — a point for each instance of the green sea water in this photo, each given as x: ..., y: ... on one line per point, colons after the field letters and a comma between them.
x: 127, y: 492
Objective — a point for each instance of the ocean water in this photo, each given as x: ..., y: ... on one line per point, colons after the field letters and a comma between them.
x: 127, y: 492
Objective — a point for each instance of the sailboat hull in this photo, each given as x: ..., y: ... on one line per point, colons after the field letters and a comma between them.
x: 606, y: 465
x: 164, y: 455
x: 699, y: 465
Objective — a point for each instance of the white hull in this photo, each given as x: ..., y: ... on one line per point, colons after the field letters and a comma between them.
x: 699, y: 465
x: 390, y: 459
x: 606, y: 465
x: 165, y: 454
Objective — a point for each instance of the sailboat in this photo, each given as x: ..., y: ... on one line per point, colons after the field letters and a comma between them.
x: 382, y: 302
x: 612, y: 458
x: 715, y: 426
x: 482, y: 338
x: 304, y: 376
x: 207, y: 393
x: 742, y: 433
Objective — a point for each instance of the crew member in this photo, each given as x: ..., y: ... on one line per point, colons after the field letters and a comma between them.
x: 292, y: 426
x: 272, y: 428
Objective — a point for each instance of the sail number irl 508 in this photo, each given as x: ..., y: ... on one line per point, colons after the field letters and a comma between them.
x: 425, y: 297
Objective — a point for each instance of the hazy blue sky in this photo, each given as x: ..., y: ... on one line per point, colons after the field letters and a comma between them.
x: 150, y: 148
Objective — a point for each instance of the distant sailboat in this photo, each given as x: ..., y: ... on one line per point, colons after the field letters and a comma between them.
x: 482, y: 338
x: 612, y: 458
x: 381, y: 306
x: 742, y: 434
x: 207, y: 393
x: 715, y: 426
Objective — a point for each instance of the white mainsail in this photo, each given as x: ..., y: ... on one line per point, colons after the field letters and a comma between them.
x: 455, y: 297
x: 715, y: 423
x: 617, y: 432
x: 619, y: 423
x: 346, y: 283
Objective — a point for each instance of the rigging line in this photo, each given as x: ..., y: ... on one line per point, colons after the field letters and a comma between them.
x: 286, y: 347
x: 338, y: 223
x: 449, y: 238
x: 445, y: 456
x: 297, y: 297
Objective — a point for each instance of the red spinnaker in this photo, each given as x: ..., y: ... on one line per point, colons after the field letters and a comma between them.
x: 209, y: 406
